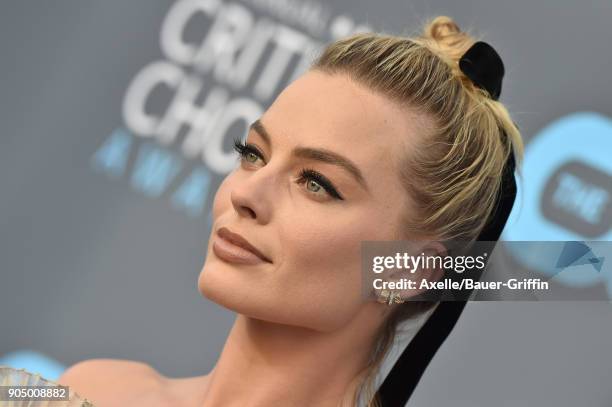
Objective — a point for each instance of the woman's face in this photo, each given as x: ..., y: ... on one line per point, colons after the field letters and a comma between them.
x: 311, y: 237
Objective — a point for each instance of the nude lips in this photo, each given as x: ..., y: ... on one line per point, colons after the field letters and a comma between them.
x: 231, y: 253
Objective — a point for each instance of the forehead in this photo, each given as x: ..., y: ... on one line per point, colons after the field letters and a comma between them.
x: 334, y: 112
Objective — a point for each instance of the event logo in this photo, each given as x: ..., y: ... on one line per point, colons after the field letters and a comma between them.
x: 577, y: 196
x: 565, y: 194
x: 222, y: 65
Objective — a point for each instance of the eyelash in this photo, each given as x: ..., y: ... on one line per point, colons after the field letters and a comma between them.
x: 306, y: 174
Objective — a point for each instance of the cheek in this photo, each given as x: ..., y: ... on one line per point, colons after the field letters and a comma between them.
x: 320, y: 279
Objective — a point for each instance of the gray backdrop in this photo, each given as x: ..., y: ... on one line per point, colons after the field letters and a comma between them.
x: 104, y: 223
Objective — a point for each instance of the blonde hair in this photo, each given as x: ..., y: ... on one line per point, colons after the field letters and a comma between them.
x: 453, y: 176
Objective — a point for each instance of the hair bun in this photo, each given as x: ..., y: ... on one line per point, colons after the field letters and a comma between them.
x: 441, y: 27
x: 444, y: 37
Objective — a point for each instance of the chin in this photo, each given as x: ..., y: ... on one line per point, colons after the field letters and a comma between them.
x: 209, y: 286
x: 216, y: 283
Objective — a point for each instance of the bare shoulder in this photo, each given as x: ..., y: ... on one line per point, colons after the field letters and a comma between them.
x: 108, y: 382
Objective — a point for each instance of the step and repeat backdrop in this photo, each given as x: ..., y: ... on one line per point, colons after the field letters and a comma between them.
x: 117, y: 120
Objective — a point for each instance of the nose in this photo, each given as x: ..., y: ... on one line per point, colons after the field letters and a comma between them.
x: 253, y: 195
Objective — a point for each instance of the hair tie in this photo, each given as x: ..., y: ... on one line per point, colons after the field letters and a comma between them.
x: 483, y: 65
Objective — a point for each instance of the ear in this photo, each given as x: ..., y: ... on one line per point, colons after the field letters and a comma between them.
x: 416, y: 276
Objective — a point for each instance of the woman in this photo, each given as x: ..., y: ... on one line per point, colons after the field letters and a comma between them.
x: 384, y: 138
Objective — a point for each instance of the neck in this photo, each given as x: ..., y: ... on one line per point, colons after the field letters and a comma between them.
x: 264, y: 364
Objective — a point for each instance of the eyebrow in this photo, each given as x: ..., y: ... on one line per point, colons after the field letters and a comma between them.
x: 317, y: 154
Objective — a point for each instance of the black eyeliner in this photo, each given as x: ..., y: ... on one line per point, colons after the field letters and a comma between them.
x: 308, y: 173
x: 243, y: 149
